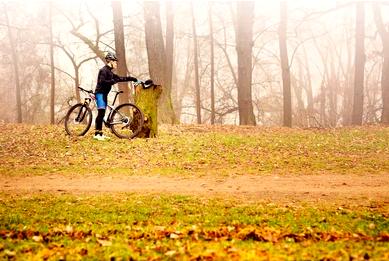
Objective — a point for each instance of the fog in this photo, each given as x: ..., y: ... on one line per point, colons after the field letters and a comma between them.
x: 321, y: 52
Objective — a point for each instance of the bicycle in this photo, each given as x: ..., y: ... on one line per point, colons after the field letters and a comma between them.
x: 125, y: 121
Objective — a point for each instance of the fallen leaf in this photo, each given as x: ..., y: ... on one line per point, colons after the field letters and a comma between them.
x: 9, y: 253
x: 104, y: 242
x: 37, y: 238
x: 174, y: 236
x: 170, y: 253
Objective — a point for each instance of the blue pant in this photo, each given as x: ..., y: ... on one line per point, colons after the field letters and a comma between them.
x: 101, y: 100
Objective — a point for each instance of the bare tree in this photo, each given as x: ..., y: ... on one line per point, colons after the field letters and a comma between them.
x: 286, y: 83
x: 244, y: 46
x: 347, y: 71
x: 298, y: 87
x: 170, y: 54
x: 223, y: 47
x: 384, y: 35
x: 157, y: 59
x: 359, y: 64
x: 76, y: 66
x: 196, y: 67
x: 212, y: 57
x: 15, y: 63
x: 227, y: 103
x: 52, y: 66
x: 94, y: 45
x: 120, y: 49
x: 308, y: 89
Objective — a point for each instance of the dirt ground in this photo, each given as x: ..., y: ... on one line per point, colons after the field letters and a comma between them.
x: 344, y: 188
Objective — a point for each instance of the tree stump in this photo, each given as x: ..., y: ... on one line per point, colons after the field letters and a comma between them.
x: 147, y: 101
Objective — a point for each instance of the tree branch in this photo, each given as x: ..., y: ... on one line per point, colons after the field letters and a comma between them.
x: 301, y: 43
x: 60, y: 70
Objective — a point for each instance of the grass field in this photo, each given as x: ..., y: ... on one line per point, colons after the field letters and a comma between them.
x: 192, y: 150
x: 146, y: 226
x: 162, y: 227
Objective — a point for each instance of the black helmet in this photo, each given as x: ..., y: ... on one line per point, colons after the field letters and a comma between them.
x: 110, y: 57
x: 147, y: 84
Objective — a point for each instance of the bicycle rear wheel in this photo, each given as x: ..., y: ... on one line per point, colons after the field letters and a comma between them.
x: 78, y: 120
x: 127, y: 121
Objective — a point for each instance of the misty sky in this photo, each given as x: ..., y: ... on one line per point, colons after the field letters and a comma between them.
x: 337, y: 25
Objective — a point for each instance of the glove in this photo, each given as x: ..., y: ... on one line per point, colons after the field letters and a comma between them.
x: 132, y: 79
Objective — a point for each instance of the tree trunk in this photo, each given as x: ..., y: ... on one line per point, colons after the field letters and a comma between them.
x: 120, y: 49
x: 332, y: 94
x: 15, y: 63
x: 323, y: 91
x: 385, y: 83
x: 244, y: 46
x: 348, y: 90
x: 77, y: 83
x: 52, y: 68
x: 323, y: 116
x: 170, y: 51
x: 223, y: 47
x: 384, y: 34
x: 298, y: 90
x: 212, y: 65
x: 147, y: 101
x: 308, y: 89
x: 359, y: 65
x: 287, y: 121
x: 157, y: 59
x: 196, y: 64
x: 187, y: 79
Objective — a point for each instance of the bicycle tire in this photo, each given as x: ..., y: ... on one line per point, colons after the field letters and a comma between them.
x: 78, y: 120
x: 127, y: 121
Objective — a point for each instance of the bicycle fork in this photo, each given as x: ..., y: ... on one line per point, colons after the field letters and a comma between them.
x: 81, y: 114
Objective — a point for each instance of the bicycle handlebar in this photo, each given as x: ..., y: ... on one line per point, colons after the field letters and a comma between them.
x: 145, y: 84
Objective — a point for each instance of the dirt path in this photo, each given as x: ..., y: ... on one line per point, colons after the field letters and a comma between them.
x: 355, y: 188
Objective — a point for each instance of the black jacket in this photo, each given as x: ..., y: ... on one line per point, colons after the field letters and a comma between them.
x: 107, y: 78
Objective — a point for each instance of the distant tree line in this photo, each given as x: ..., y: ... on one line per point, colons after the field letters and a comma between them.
x: 231, y: 66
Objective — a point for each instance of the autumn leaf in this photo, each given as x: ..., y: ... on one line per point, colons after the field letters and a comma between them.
x: 170, y: 253
x: 103, y: 242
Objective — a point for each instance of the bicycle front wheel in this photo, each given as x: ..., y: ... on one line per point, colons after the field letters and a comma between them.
x: 127, y: 121
x: 78, y: 120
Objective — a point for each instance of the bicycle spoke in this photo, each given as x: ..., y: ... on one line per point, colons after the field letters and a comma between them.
x: 127, y: 121
x: 78, y: 120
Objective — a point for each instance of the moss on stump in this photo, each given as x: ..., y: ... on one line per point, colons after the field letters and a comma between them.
x: 147, y: 101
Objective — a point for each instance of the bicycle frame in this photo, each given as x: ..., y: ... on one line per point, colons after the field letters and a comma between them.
x: 112, y: 107
x: 109, y: 122
x: 81, y: 114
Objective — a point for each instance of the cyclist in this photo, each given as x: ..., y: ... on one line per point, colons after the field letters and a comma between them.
x: 106, y: 78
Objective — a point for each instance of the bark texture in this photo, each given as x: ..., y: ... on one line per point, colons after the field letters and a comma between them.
x: 196, y: 67
x: 147, y: 101
x: 157, y: 59
x: 15, y: 63
x: 384, y: 35
x: 286, y: 83
x: 52, y: 67
x: 211, y: 41
x: 359, y: 65
x: 120, y: 49
x: 244, y: 46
